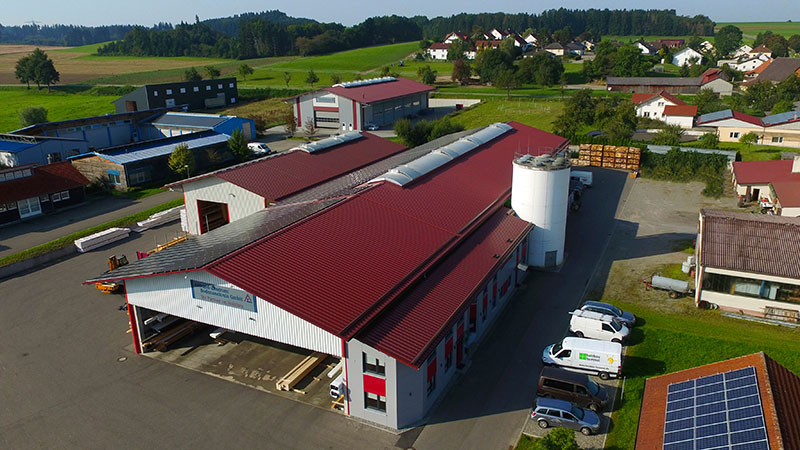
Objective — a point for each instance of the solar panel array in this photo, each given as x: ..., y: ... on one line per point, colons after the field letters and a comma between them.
x: 721, y: 411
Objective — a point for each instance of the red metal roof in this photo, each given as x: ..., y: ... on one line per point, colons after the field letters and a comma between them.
x: 439, y: 46
x: 771, y: 382
x: 409, y: 327
x: 642, y: 98
x: 277, y: 177
x: 763, y: 172
x: 680, y: 110
x: 753, y: 243
x: 338, y: 269
x: 788, y: 192
x: 379, y: 92
x: 46, y: 179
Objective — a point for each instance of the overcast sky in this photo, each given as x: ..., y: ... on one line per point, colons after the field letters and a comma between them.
x: 349, y: 12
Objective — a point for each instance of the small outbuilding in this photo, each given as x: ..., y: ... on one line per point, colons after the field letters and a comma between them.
x: 31, y: 190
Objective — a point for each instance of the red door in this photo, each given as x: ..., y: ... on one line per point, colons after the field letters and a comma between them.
x: 460, y: 345
x: 473, y: 315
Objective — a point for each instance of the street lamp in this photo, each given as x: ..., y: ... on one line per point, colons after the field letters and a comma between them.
x: 186, y: 166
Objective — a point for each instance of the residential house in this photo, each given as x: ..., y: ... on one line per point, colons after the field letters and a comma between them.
x: 761, y: 50
x: 730, y: 125
x: 21, y: 150
x: 669, y: 43
x: 781, y: 129
x: 749, y: 264
x: 652, y: 105
x: 531, y: 39
x: 687, y: 56
x: 588, y: 45
x: 483, y: 45
x: 555, y: 48
x: 776, y: 181
x: 753, y: 74
x: 456, y: 36
x: 31, y: 190
x: 499, y: 35
x: 575, y: 48
x: 438, y: 51
x: 352, y: 105
x: 518, y: 41
x: 647, y: 48
x: 706, y: 46
x: 680, y: 115
x: 741, y: 51
x: 744, y: 64
x: 216, y: 93
x: 752, y: 401
x: 778, y: 70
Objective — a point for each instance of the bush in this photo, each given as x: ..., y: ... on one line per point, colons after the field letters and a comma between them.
x: 32, y: 115
x: 680, y: 166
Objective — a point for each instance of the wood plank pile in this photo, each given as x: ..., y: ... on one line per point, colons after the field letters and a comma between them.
x: 171, y: 335
x: 288, y: 381
x: 100, y: 239
x: 161, y: 218
x: 610, y: 156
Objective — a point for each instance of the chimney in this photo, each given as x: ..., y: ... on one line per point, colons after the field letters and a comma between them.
x: 796, y: 164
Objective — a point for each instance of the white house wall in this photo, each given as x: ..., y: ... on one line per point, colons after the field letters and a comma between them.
x: 172, y: 294
x: 790, y: 212
x: 241, y: 202
x: 681, y: 121
x: 719, y: 86
x: 653, y: 108
x: 745, y: 305
x: 355, y: 385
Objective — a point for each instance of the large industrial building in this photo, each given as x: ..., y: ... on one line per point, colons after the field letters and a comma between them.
x: 398, y: 267
x: 352, y: 105
x: 194, y: 95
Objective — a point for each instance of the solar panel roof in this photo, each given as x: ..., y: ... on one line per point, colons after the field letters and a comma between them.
x: 720, y: 411
x: 717, y: 115
x: 780, y: 118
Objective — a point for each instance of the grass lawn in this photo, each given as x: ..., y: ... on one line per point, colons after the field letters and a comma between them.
x: 60, y: 105
x: 272, y: 111
x: 669, y: 342
x: 573, y: 73
x: 756, y: 152
x: 526, y: 442
x: 536, y: 113
x: 362, y: 59
x: 786, y: 29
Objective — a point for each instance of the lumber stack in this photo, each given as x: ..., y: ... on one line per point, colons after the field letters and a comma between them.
x: 161, y: 218
x: 100, y: 239
x: 169, y: 336
x: 288, y: 381
x: 609, y: 156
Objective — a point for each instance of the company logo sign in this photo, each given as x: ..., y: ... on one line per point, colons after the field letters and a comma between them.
x: 233, y: 298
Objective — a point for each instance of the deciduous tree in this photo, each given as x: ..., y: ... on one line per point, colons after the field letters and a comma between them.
x: 462, y: 72
x: 244, y: 70
x: 32, y: 115
x: 749, y: 138
x: 311, y: 78
x: 426, y: 75
x: 507, y: 80
x: 310, y: 128
x: 191, y: 74
x: 237, y: 144
x: 287, y: 77
x: 212, y: 72
x: 727, y: 39
x: 181, y: 159
x: 291, y: 124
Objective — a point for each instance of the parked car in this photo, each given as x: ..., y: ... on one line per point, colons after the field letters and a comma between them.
x: 572, y: 387
x: 585, y: 356
x: 550, y: 412
x: 624, y: 316
x: 259, y: 148
x: 370, y: 126
x: 596, y: 325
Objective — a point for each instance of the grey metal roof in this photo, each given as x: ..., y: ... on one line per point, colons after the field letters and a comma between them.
x: 161, y: 148
x: 755, y: 243
x: 663, y: 149
x: 777, y: 119
x: 198, y: 251
x: 189, y: 120
x: 654, y: 81
x: 779, y: 69
x: 718, y: 115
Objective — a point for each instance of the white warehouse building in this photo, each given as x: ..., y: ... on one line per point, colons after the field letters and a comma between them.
x: 398, y: 267
x: 351, y: 106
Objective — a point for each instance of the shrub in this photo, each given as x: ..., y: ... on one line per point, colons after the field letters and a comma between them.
x: 680, y: 166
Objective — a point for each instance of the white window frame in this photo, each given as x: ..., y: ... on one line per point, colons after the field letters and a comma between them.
x: 208, y: 87
x: 64, y: 195
x: 56, y: 197
x: 219, y: 86
x: 183, y: 90
x: 155, y: 93
x: 230, y: 85
x: 196, y: 89
x: 777, y: 139
x: 169, y: 91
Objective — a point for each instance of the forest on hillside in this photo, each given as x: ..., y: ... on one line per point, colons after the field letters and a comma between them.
x: 273, y: 33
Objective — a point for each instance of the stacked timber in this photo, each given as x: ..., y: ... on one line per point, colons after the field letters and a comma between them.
x: 609, y: 156
x: 288, y: 381
x: 161, y: 218
x: 100, y: 239
x: 171, y: 335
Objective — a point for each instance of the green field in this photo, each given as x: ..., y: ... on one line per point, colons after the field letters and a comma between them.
x: 632, y: 39
x: 669, y: 342
x: 60, y: 105
x: 786, y: 29
x: 536, y: 113
x: 360, y: 60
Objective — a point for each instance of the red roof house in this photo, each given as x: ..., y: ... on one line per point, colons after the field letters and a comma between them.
x: 31, y: 190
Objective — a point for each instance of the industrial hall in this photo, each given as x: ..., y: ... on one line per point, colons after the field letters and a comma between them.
x: 393, y: 262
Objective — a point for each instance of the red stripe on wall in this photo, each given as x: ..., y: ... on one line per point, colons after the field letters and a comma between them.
x: 137, y: 347
x: 375, y: 385
x: 431, y: 369
x: 448, y: 348
x: 346, y: 388
x: 299, y: 117
x: 355, y: 116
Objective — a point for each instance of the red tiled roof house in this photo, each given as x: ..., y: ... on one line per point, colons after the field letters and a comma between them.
x: 28, y: 191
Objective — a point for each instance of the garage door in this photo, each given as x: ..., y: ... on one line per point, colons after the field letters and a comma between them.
x: 326, y: 119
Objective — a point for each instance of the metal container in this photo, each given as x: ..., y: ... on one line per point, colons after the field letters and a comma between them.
x: 670, y: 284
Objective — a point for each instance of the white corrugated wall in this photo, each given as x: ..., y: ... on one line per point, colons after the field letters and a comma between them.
x: 172, y: 294
x: 241, y: 202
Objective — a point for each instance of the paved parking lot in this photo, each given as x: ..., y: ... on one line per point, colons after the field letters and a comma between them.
x: 70, y: 379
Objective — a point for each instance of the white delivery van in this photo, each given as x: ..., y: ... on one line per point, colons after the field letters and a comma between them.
x: 586, y: 356
x: 596, y: 325
x: 582, y: 176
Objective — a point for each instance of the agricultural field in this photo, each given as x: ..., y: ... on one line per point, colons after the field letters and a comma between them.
x: 60, y: 105
x: 751, y: 29
x: 536, y: 113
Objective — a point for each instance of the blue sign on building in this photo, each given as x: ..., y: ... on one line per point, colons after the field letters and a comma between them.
x: 223, y: 296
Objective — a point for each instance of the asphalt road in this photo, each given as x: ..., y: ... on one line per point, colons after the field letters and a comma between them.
x: 62, y: 384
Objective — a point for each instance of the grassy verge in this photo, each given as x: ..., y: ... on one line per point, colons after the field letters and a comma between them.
x: 669, y: 342
x: 526, y: 442
x: 68, y: 240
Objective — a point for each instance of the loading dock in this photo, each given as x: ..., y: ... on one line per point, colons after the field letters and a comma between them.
x: 252, y: 362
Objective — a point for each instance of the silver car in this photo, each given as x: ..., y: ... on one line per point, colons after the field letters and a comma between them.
x: 550, y: 412
x: 625, y: 317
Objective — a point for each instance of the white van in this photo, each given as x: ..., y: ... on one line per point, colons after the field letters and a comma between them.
x: 586, y: 356
x: 259, y: 148
x: 582, y: 176
x: 596, y: 325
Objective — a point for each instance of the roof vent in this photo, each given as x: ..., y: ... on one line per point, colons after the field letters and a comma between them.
x: 332, y: 141
x: 406, y: 173
x: 359, y: 83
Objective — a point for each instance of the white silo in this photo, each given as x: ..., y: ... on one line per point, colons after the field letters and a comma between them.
x: 540, y: 195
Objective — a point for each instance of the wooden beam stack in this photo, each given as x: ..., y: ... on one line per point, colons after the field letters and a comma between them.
x: 609, y: 156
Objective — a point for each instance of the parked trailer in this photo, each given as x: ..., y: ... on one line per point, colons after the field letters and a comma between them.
x: 676, y: 288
